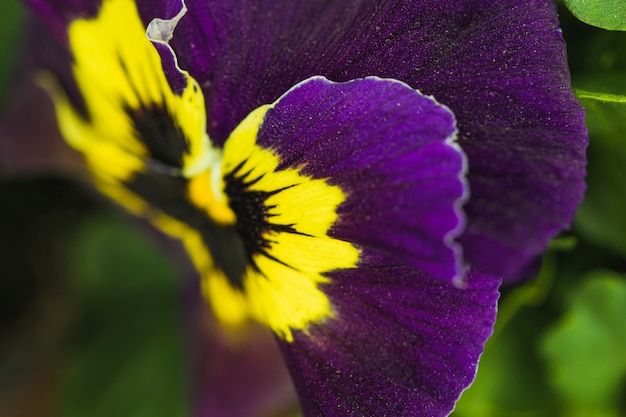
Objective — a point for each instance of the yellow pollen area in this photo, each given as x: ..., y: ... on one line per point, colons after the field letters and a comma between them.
x: 285, y: 296
x: 203, y: 195
x: 116, y: 68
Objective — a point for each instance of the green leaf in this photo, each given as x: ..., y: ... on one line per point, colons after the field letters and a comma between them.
x: 563, y: 243
x: 586, y: 349
x: 601, y: 217
x: 603, y: 97
x: 605, y: 14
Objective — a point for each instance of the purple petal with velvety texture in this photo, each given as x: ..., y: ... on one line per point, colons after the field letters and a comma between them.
x: 499, y: 66
x: 388, y: 148
x: 401, y: 344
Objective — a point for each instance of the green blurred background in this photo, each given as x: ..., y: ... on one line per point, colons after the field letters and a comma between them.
x: 559, y: 348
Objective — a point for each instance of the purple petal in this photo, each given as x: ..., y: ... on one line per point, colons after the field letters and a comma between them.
x: 390, y: 150
x: 499, y: 66
x: 57, y: 14
x: 401, y: 343
x: 30, y: 141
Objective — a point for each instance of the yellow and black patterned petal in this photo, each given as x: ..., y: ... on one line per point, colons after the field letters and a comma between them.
x: 134, y: 121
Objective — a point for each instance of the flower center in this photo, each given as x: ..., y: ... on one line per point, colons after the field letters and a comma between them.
x: 283, y: 219
x: 253, y: 215
x: 257, y: 234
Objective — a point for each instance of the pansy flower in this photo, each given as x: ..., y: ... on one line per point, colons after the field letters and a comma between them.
x: 355, y: 175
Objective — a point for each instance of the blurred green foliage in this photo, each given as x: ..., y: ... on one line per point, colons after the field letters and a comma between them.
x: 11, y: 19
x: 586, y: 348
x: 126, y: 355
x: 602, y: 216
